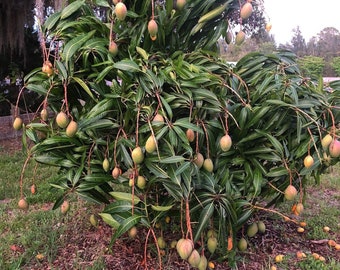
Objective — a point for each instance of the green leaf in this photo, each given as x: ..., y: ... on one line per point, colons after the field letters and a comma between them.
x: 84, y: 86
x: 117, y: 207
x: 74, y: 45
x: 126, y: 65
x: 257, y: 181
x: 108, y: 219
x: 52, y: 20
x: 173, y: 159
x: 123, y: 196
x: 277, y: 172
x: 61, y: 70
x: 161, y: 208
x: 204, y: 219
x: 71, y: 8
x: 127, y: 224
x: 275, y: 142
x: 102, y: 3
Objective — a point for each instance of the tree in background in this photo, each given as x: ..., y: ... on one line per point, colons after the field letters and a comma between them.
x: 336, y: 65
x: 328, y: 47
x: 312, y: 66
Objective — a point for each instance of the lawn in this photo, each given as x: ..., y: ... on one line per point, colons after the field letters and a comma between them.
x: 42, y: 238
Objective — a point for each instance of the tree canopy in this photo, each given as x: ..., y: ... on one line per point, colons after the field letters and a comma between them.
x: 148, y: 120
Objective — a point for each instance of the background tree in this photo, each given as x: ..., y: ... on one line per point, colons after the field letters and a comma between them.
x: 336, y: 65
x: 312, y: 66
x: 298, y: 43
x: 328, y: 47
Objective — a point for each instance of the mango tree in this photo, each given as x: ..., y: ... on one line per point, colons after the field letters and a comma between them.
x: 141, y: 114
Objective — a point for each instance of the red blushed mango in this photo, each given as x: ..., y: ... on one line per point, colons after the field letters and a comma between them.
x: 334, y: 148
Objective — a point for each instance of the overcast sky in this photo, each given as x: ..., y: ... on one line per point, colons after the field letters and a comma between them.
x: 311, y: 16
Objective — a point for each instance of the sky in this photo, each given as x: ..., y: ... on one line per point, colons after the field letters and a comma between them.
x: 311, y: 16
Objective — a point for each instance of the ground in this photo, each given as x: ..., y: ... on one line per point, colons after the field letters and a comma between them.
x: 84, y: 246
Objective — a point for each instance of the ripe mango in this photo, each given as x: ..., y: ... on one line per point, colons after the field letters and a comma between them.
x: 158, y: 119
x: 71, y: 129
x: 203, y: 263
x: 334, y: 148
x: 194, y: 258
x: 132, y: 232
x: 65, y: 207
x: 152, y: 27
x: 22, y: 204
x: 208, y: 165
x: 44, y: 115
x: 17, y: 124
x: 190, y: 135
x: 240, y: 37
x: 62, y: 120
x: 113, y: 48
x: 184, y: 248
x: 137, y: 155
x: 121, y: 11
x: 151, y: 144
x: 199, y: 160
x: 180, y: 4
x: 246, y: 11
x: 225, y: 143
x: 308, y: 161
x: 290, y: 193
x: 116, y: 172
x: 326, y: 141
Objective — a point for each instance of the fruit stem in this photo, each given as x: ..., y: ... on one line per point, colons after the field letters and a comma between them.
x: 65, y: 98
x: 333, y: 123
x: 226, y: 121
x: 154, y: 136
x: 160, y: 106
x: 197, y: 147
x: 111, y: 27
x: 245, y: 85
x: 107, y: 147
x: 316, y: 149
x: 115, y: 147
x: 133, y: 190
x: 289, y: 171
x: 274, y: 187
x: 137, y: 123
x: 157, y: 246
x: 152, y: 9
x: 17, y: 102
x: 301, y: 189
x: 89, y: 157
x: 275, y: 212
x: 21, y: 181
x: 187, y: 217
x: 206, y: 138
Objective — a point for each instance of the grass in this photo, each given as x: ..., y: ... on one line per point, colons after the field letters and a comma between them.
x: 39, y: 231
x: 23, y: 236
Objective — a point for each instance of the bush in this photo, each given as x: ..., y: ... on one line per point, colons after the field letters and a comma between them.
x: 273, y: 115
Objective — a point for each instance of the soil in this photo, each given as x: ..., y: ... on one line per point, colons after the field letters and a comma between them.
x: 83, y: 245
